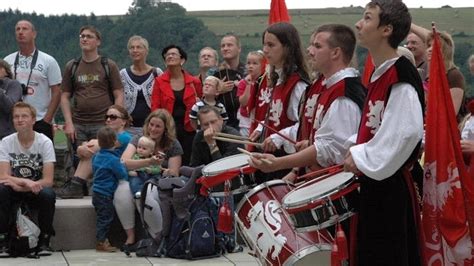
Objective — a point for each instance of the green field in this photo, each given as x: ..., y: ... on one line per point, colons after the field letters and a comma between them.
x: 251, y: 23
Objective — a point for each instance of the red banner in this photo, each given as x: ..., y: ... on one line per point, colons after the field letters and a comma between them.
x: 446, y: 212
x: 278, y: 12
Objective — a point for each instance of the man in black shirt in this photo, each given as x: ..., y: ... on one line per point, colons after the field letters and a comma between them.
x: 230, y: 72
x: 205, y: 148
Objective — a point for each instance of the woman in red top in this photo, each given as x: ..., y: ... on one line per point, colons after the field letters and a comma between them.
x: 177, y: 91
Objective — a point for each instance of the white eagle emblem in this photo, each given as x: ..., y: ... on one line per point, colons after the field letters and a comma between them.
x: 435, y: 196
x: 275, y: 112
x: 309, y: 107
x: 265, y: 96
x: 265, y: 224
x: 318, y: 117
x: 375, y: 115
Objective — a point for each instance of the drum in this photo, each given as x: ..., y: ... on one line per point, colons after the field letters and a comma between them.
x: 267, y: 231
x: 318, y: 204
x: 242, y: 183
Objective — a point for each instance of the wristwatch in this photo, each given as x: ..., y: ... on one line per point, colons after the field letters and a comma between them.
x: 212, y: 146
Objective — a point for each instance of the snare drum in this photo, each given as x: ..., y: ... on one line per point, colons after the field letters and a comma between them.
x: 242, y: 183
x: 267, y: 231
x: 318, y: 204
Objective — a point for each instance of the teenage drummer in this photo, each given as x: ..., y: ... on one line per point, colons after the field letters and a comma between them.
x: 337, y: 109
x: 207, y: 149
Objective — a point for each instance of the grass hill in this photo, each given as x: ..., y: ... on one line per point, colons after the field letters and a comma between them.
x: 251, y: 23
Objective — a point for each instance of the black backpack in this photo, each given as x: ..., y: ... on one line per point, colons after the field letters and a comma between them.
x: 194, y: 237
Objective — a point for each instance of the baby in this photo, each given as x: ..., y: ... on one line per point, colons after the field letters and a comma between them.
x: 145, y: 149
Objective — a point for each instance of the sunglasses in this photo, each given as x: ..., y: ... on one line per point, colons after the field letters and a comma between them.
x: 112, y: 117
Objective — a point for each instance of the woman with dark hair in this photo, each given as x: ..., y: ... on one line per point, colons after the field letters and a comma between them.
x: 10, y: 93
x: 281, y: 88
x: 160, y: 127
x: 177, y: 91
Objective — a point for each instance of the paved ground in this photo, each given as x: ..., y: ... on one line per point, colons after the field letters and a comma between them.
x: 91, y: 257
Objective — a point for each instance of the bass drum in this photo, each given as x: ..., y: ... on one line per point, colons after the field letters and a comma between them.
x: 268, y: 232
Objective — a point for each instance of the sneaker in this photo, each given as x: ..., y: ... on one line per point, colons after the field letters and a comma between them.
x: 4, y: 251
x: 105, y: 246
x: 235, y: 248
x: 72, y: 189
x: 43, y: 246
x: 4, y: 246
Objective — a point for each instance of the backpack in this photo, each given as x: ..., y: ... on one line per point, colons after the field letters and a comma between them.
x: 104, y: 61
x: 193, y: 237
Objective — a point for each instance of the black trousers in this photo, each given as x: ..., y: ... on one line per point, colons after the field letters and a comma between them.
x: 387, y: 233
x: 44, y: 202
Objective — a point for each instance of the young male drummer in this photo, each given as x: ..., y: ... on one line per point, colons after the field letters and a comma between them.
x: 338, y: 106
x: 388, y: 141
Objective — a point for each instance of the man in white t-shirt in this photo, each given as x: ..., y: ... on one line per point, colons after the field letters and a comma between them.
x: 39, y: 74
x: 26, y: 175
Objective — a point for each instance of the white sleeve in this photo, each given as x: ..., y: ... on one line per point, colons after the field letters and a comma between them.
x: 296, y: 94
x: 47, y: 150
x: 290, y: 132
x: 54, y: 72
x: 400, y: 131
x: 3, y: 152
x: 340, y: 122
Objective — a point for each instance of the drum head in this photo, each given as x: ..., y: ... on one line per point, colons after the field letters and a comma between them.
x: 301, y: 196
x: 225, y: 164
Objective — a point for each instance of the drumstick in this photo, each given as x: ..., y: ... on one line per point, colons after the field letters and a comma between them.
x: 238, y: 141
x: 251, y: 154
x: 278, y: 133
x: 230, y: 136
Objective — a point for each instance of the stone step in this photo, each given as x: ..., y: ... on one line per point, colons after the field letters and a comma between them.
x: 74, y: 222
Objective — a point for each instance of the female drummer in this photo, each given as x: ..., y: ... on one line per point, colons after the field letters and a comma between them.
x: 281, y: 91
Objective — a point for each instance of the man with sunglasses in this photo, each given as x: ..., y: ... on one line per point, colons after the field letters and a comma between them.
x: 39, y: 75
x: 94, y: 85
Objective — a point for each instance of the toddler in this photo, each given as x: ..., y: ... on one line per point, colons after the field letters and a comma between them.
x: 255, y: 68
x: 108, y: 170
x: 212, y: 86
x: 137, y: 178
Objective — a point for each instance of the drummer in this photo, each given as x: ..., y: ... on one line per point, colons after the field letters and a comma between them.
x: 206, y: 150
x: 337, y: 111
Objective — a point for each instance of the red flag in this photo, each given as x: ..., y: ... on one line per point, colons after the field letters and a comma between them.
x: 368, y: 69
x: 446, y: 216
x: 278, y: 12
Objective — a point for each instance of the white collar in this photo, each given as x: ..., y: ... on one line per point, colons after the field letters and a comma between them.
x: 347, y: 72
x: 383, y: 68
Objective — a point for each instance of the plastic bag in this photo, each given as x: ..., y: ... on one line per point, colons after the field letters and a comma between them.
x: 27, y: 228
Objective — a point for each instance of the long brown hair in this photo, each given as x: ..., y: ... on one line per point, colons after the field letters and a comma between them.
x: 169, y: 135
x: 293, y: 60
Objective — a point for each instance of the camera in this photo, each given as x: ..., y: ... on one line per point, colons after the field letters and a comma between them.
x: 24, y: 89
